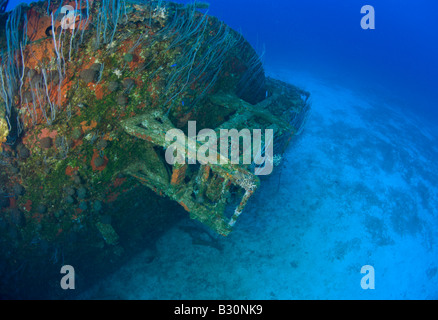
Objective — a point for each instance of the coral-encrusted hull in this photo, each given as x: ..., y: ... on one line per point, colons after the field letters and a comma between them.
x: 77, y: 186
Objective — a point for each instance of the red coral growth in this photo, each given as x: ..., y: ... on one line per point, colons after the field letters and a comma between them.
x: 85, y: 127
x: 28, y: 205
x: 37, y: 25
x: 113, y: 196
x: 93, y: 164
x: 99, y: 92
x: 46, y: 133
x: 184, y: 206
x: 69, y: 171
x: 107, y: 137
x: 118, y: 182
x: 12, y: 202
x: 37, y: 217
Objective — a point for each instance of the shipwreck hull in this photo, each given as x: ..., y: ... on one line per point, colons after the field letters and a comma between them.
x: 84, y: 111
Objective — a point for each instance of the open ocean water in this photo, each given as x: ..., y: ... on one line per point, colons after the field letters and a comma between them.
x: 359, y: 187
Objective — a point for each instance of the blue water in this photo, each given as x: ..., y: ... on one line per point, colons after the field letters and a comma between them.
x: 360, y: 185
x: 399, y: 57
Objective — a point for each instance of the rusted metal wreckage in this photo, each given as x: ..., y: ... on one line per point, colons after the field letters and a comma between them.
x: 205, y: 192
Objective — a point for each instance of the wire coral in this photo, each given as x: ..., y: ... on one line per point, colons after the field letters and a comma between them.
x: 12, y: 68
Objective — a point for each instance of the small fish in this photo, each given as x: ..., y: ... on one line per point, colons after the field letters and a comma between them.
x: 182, y: 103
x: 173, y: 65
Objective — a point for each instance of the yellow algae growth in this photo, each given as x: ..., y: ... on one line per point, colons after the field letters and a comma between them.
x: 4, y: 129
